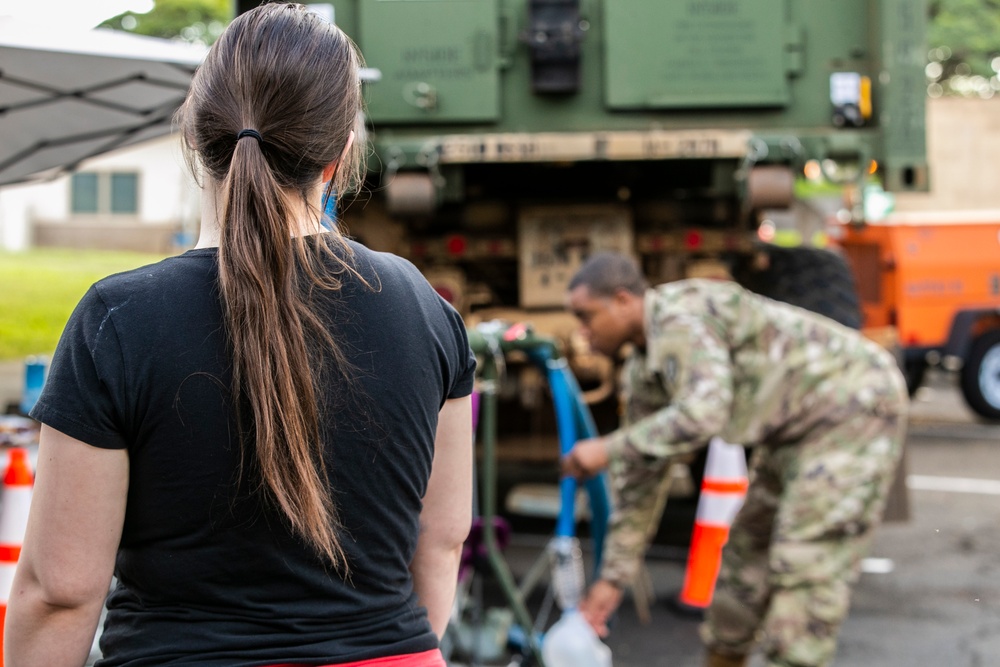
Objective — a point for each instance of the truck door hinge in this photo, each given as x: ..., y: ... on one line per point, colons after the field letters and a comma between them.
x: 795, y: 46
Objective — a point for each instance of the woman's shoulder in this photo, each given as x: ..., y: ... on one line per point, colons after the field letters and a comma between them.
x: 156, y: 279
x: 379, y: 261
x: 386, y: 271
x: 397, y: 281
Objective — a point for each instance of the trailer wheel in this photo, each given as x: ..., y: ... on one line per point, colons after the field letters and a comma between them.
x: 812, y: 278
x: 981, y: 375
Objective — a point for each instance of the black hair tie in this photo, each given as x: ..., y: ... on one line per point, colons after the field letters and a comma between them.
x: 250, y: 133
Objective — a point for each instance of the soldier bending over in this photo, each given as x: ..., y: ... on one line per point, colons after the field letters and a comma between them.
x: 825, y: 409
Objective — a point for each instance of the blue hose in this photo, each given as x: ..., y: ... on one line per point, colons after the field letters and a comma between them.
x: 575, y: 422
x: 566, y: 422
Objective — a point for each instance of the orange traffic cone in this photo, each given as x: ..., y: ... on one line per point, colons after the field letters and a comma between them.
x: 17, y: 483
x: 723, y: 489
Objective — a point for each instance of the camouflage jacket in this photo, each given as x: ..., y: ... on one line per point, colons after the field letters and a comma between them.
x: 720, y: 360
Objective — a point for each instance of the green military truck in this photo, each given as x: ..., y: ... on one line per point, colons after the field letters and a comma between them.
x: 511, y: 138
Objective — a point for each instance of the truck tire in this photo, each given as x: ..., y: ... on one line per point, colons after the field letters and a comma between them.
x: 981, y: 375
x: 812, y: 278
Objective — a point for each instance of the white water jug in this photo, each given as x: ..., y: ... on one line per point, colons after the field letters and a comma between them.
x: 571, y: 642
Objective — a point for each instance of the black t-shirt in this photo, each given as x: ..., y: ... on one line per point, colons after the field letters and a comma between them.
x: 207, y: 573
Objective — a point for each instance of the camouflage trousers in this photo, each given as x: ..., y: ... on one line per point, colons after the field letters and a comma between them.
x: 795, y: 547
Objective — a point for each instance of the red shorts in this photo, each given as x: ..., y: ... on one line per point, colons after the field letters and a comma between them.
x: 431, y: 658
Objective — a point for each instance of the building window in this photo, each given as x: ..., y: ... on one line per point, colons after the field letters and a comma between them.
x: 125, y: 193
x: 116, y: 193
x: 85, y: 193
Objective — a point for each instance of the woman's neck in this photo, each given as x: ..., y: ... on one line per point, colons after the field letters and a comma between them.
x: 209, y: 235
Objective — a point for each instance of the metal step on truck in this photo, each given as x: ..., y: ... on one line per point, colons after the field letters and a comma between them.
x: 512, y: 138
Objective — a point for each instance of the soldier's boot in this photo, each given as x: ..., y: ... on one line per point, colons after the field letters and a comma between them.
x: 713, y: 659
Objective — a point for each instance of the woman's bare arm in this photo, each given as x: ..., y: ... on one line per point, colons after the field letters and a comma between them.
x: 68, y: 556
x: 447, y: 513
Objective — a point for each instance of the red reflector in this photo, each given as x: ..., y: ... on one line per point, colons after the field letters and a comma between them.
x: 693, y: 240
x: 456, y: 245
x: 446, y: 294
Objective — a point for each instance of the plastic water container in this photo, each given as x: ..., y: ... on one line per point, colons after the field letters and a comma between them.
x: 571, y: 642
x: 35, y: 368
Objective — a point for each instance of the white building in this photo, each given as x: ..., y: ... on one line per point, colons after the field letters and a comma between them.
x: 138, y: 198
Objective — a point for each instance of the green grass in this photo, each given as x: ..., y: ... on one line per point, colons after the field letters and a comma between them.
x: 807, y: 190
x: 39, y: 289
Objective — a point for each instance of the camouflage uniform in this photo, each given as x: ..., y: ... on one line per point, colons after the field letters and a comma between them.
x: 826, y: 410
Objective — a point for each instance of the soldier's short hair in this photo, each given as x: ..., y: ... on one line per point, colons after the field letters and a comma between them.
x: 604, y: 273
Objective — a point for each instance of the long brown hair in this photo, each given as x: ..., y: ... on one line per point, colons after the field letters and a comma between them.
x: 292, y: 78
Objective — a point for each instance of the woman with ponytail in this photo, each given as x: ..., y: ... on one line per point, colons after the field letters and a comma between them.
x: 267, y: 439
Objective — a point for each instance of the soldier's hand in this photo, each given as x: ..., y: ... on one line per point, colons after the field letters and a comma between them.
x: 602, y: 600
x: 586, y: 459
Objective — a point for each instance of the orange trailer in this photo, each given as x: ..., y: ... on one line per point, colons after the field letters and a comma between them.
x: 935, y: 278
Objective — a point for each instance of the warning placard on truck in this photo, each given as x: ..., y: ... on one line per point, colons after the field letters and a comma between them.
x: 555, y: 240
